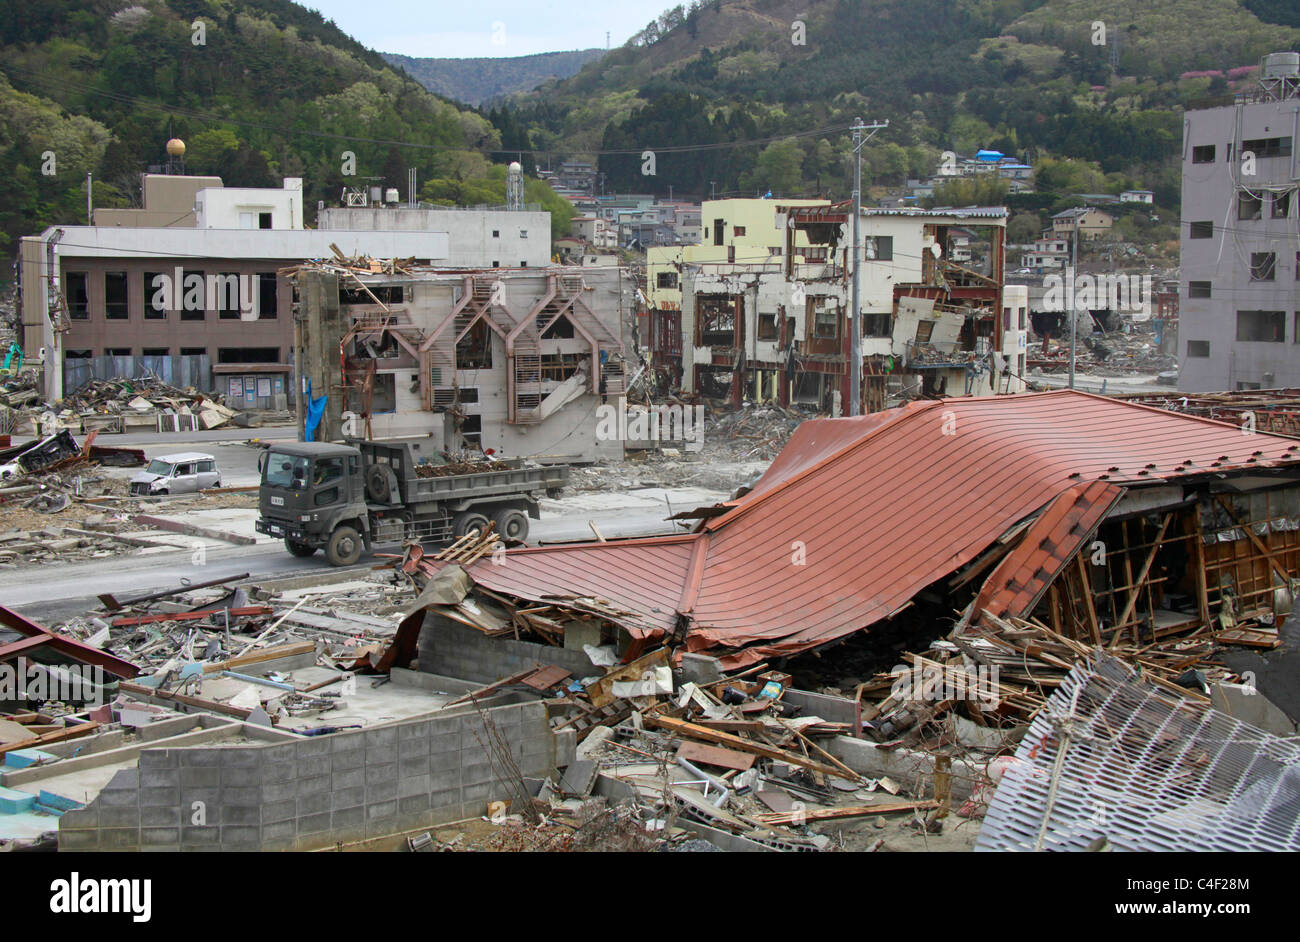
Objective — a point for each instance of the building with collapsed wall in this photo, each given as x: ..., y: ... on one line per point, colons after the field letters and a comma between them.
x: 516, y: 360
x: 1101, y: 519
x: 777, y: 326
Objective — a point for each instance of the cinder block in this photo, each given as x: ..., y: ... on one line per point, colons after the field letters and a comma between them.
x: 78, y: 838
x: 386, y: 772
x: 246, y: 758
x: 441, y: 743
x: 381, y: 791
x: 280, y: 791
x: 274, y: 811
x: 349, y: 779
x: 205, y: 777
x: 344, y: 798
x: 276, y: 772
x: 119, y: 798
x: 416, y: 730
x: 308, y: 824
x: 319, y: 765
x: 416, y: 766
x: 160, y: 797
x: 201, y: 758
x: 414, y: 785
x: 413, y: 804
x: 150, y: 778
x: 119, y: 838
x: 413, y: 748
x: 119, y: 817
x: 477, y: 794
x: 159, y: 759
x: 346, y: 741
x: 239, y: 815
x: 249, y: 796
x: 240, y: 776
x: 152, y: 837
x: 380, y: 736
x: 381, y: 809
x: 313, y: 786
x: 314, y: 747
x: 80, y: 818
x: 159, y: 817
x: 279, y: 832
x: 348, y: 760
x: 240, y: 834
x: 348, y: 817
x: 445, y: 780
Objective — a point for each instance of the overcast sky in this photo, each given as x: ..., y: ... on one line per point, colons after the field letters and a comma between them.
x: 490, y: 28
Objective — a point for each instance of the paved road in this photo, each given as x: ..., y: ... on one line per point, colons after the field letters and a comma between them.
x: 58, y: 591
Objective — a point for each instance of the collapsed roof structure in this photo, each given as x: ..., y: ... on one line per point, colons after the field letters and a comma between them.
x: 1195, y: 520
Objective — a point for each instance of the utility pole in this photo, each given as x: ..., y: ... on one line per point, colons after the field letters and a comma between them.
x: 854, y: 319
x: 90, y: 200
x: 1074, y: 286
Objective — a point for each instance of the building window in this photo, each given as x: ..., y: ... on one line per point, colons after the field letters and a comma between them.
x: 880, y: 248
x: 1198, y: 289
x: 826, y: 321
x: 226, y: 286
x: 1203, y: 154
x: 76, y: 294
x: 264, y: 220
x: 155, y: 352
x: 248, y: 354
x: 117, y: 351
x: 194, y: 351
x: 1268, y: 146
x: 1201, y: 230
x: 767, y: 327
x: 193, y: 296
x: 1198, y: 348
x: 1280, y: 205
x: 496, y: 233
x: 718, y: 227
x: 268, y: 306
x: 740, y: 231
x: 77, y: 354
x: 115, y: 296
x: 496, y: 264
x: 1261, y: 326
x: 523, y: 233
x: 1263, y: 266
x: 156, y: 295
x: 1249, y: 206
x: 666, y: 279
x: 924, y: 330
x: 876, y: 325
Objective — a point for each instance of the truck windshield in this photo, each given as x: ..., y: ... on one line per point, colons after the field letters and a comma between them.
x: 281, y: 470
x: 162, y: 468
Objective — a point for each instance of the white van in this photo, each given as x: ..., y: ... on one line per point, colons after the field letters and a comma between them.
x: 181, y: 473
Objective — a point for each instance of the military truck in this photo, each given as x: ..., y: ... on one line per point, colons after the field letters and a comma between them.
x: 341, y: 498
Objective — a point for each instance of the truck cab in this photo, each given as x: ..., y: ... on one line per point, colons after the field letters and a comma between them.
x: 313, y: 496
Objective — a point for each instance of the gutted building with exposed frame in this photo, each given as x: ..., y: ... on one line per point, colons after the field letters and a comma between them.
x: 513, y: 360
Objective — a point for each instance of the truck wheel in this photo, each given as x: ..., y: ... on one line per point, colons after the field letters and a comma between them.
x: 511, y: 524
x: 468, y: 520
x: 344, y: 547
x: 299, y: 549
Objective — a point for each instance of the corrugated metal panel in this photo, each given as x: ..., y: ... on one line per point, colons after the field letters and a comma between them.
x: 864, y: 513
x: 1113, y: 757
x: 1017, y: 583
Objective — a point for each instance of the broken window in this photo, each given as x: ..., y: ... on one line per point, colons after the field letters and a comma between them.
x: 717, y: 319
x: 385, y: 294
x: 248, y: 354
x: 76, y: 295
x: 562, y: 329
x: 767, y: 327
x: 1261, y: 326
x: 474, y: 352
x: 876, y: 325
x: 924, y: 329
x: 826, y: 320
x: 1263, y: 266
x: 1280, y: 206
x: 267, y: 296
x: 115, y: 296
x: 879, y: 248
x: 557, y: 367
x: 1249, y: 206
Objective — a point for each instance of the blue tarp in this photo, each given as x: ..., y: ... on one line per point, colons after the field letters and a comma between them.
x: 315, y: 409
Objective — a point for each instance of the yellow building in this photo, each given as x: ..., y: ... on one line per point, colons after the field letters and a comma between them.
x: 739, y: 231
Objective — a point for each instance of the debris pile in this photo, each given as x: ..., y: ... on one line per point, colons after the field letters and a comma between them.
x: 756, y: 432
x: 145, y: 403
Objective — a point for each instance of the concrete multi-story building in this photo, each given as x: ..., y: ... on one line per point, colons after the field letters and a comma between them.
x: 517, y: 361
x: 1240, y: 264
x: 186, y: 287
x: 773, y: 322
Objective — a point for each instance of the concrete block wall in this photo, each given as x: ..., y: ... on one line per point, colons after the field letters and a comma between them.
x: 316, y: 792
x: 456, y: 650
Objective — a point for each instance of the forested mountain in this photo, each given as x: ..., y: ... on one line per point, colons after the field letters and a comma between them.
x: 1032, y: 78
x: 479, y: 81
x: 258, y: 89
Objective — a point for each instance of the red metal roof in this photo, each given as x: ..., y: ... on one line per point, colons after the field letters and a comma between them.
x: 35, y: 636
x: 857, y: 515
x: 1020, y: 579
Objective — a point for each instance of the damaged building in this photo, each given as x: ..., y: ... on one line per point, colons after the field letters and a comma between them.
x: 1099, y: 519
x: 779, y: 329
x: 516, y: 361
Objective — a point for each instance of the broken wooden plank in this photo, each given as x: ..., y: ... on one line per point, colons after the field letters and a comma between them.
x: 715, y: 755
x: 852, y: 811
x: 129, y: 620
x: 257, y: 657
x: 695, y: 731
